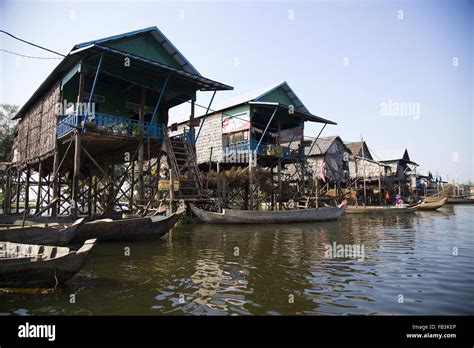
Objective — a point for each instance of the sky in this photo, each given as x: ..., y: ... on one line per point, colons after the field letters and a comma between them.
x: 398, y: 74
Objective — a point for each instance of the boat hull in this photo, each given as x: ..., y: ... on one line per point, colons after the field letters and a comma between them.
x: 380, y: 210
x: 29, y: 272
x: 432, y: 205
x: 38, y: 234
x: 268, y: 217
x: 460, y: 201
x: 127, y: 229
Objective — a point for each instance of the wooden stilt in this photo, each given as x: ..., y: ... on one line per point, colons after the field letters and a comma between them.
x: 141, y: 150
x: 27, y: 188
x: 280, y: 191
x: 251, y: 188
x: 75, y: 178
x: 39, y: 194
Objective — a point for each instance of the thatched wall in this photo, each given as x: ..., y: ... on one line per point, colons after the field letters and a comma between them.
x: 35, y: 139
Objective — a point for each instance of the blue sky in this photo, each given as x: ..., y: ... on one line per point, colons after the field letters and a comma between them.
x: 390, y: 56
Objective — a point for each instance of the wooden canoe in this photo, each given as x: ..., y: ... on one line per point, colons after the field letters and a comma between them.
x: 127, y: 229
x: 432, y: 205
x: 232, y: 216
x: 43, y: 234
x: 351, y: 209
x: 39, y: 266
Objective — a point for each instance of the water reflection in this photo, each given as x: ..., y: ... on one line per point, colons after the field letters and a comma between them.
x: 278, y: 269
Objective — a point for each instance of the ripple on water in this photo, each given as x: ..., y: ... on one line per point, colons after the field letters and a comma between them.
x: 278, y: 269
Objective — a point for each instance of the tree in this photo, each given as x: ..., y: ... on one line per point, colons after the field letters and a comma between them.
x: 7, y: 128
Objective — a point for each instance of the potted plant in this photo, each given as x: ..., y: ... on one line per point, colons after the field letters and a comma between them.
x: 137, y: 131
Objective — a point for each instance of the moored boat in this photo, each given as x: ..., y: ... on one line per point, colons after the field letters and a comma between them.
x: 351, y: 209
x: 460, y: 200
x: 43, y: 234
x: 231, y: 216
x: 432, y: 205
x: 40, y: 266
x: 127, y: 229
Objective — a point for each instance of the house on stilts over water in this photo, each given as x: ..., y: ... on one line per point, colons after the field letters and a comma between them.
x: 402, y: 177
x: 368, y: 177
x: 91, y: 134
x: 244, y: 144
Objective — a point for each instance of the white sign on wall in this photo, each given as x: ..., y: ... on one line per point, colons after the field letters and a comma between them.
x: 236, y: 123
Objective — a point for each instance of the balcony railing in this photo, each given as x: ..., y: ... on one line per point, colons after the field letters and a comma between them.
x: 112, y: 124
x: 263, y: 149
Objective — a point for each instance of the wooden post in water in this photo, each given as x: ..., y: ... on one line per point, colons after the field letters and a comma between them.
x: 132, y: 184
x: 75, y: 178
x: 7, y: 197
x: 141, y: 149
x: 55, y: 178
x: 39, y: 193
x: 317, y: 191
x: 380, y: 189
x: 363, y: 170
x: 27, y: 188
x: 171, y: 190
x: 280, y: 191
x: 218, y: 179
x: 250, y: 193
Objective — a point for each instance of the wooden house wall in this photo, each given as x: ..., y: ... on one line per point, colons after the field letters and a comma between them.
x: 36, y: 137
x: 210, y: 138
x: 359, y: 168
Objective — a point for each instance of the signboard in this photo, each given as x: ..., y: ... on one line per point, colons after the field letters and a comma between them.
x: 166, y: 185
x: 236, y: 123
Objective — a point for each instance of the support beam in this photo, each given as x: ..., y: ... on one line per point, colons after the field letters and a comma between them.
x: 40, y: 189
x: 93, y: 86
x: 205, y: 116
x: 27, y: 188
x: 75, y: 178
x: 266, y: 128
x: 162, y: 92
x: 141, y: 150
x: 280, y: 190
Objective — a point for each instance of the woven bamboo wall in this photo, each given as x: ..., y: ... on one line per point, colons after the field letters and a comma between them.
x: 36, y: 137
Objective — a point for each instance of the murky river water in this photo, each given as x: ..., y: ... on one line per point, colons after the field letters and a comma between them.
x: 278, y: 269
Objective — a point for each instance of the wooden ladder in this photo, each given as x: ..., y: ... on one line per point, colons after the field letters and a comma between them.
x: 184, y: 166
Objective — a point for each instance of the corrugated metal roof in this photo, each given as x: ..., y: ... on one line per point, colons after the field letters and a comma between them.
x: 79, y: 50
x: 205, y: 83
x: 253, y: 95
x: 321, y: 146
x: 159, y: 37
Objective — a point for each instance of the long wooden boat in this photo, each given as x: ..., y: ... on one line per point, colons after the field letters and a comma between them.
x: 432, y: 205
x: 43, y: 234
x: 232, y: 216
x: 39, y: 266
x: 127, y: 229
x: 460, y: 200
x: 351, y: 209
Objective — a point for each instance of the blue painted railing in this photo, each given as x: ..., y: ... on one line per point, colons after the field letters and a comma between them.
x: 68, y: 124
x: 113, y: 124
x: 263, y: 149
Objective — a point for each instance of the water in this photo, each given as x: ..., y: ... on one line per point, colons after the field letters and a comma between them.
x: 278, y: 269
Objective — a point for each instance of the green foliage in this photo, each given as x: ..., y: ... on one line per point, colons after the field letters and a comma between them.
x: 7, y: 128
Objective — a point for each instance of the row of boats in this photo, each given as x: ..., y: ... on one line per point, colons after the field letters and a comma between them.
x: 45, y: 255
x: 34, y: 255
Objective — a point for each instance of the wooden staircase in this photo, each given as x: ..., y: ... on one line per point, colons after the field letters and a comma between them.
x: 182, y: 158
